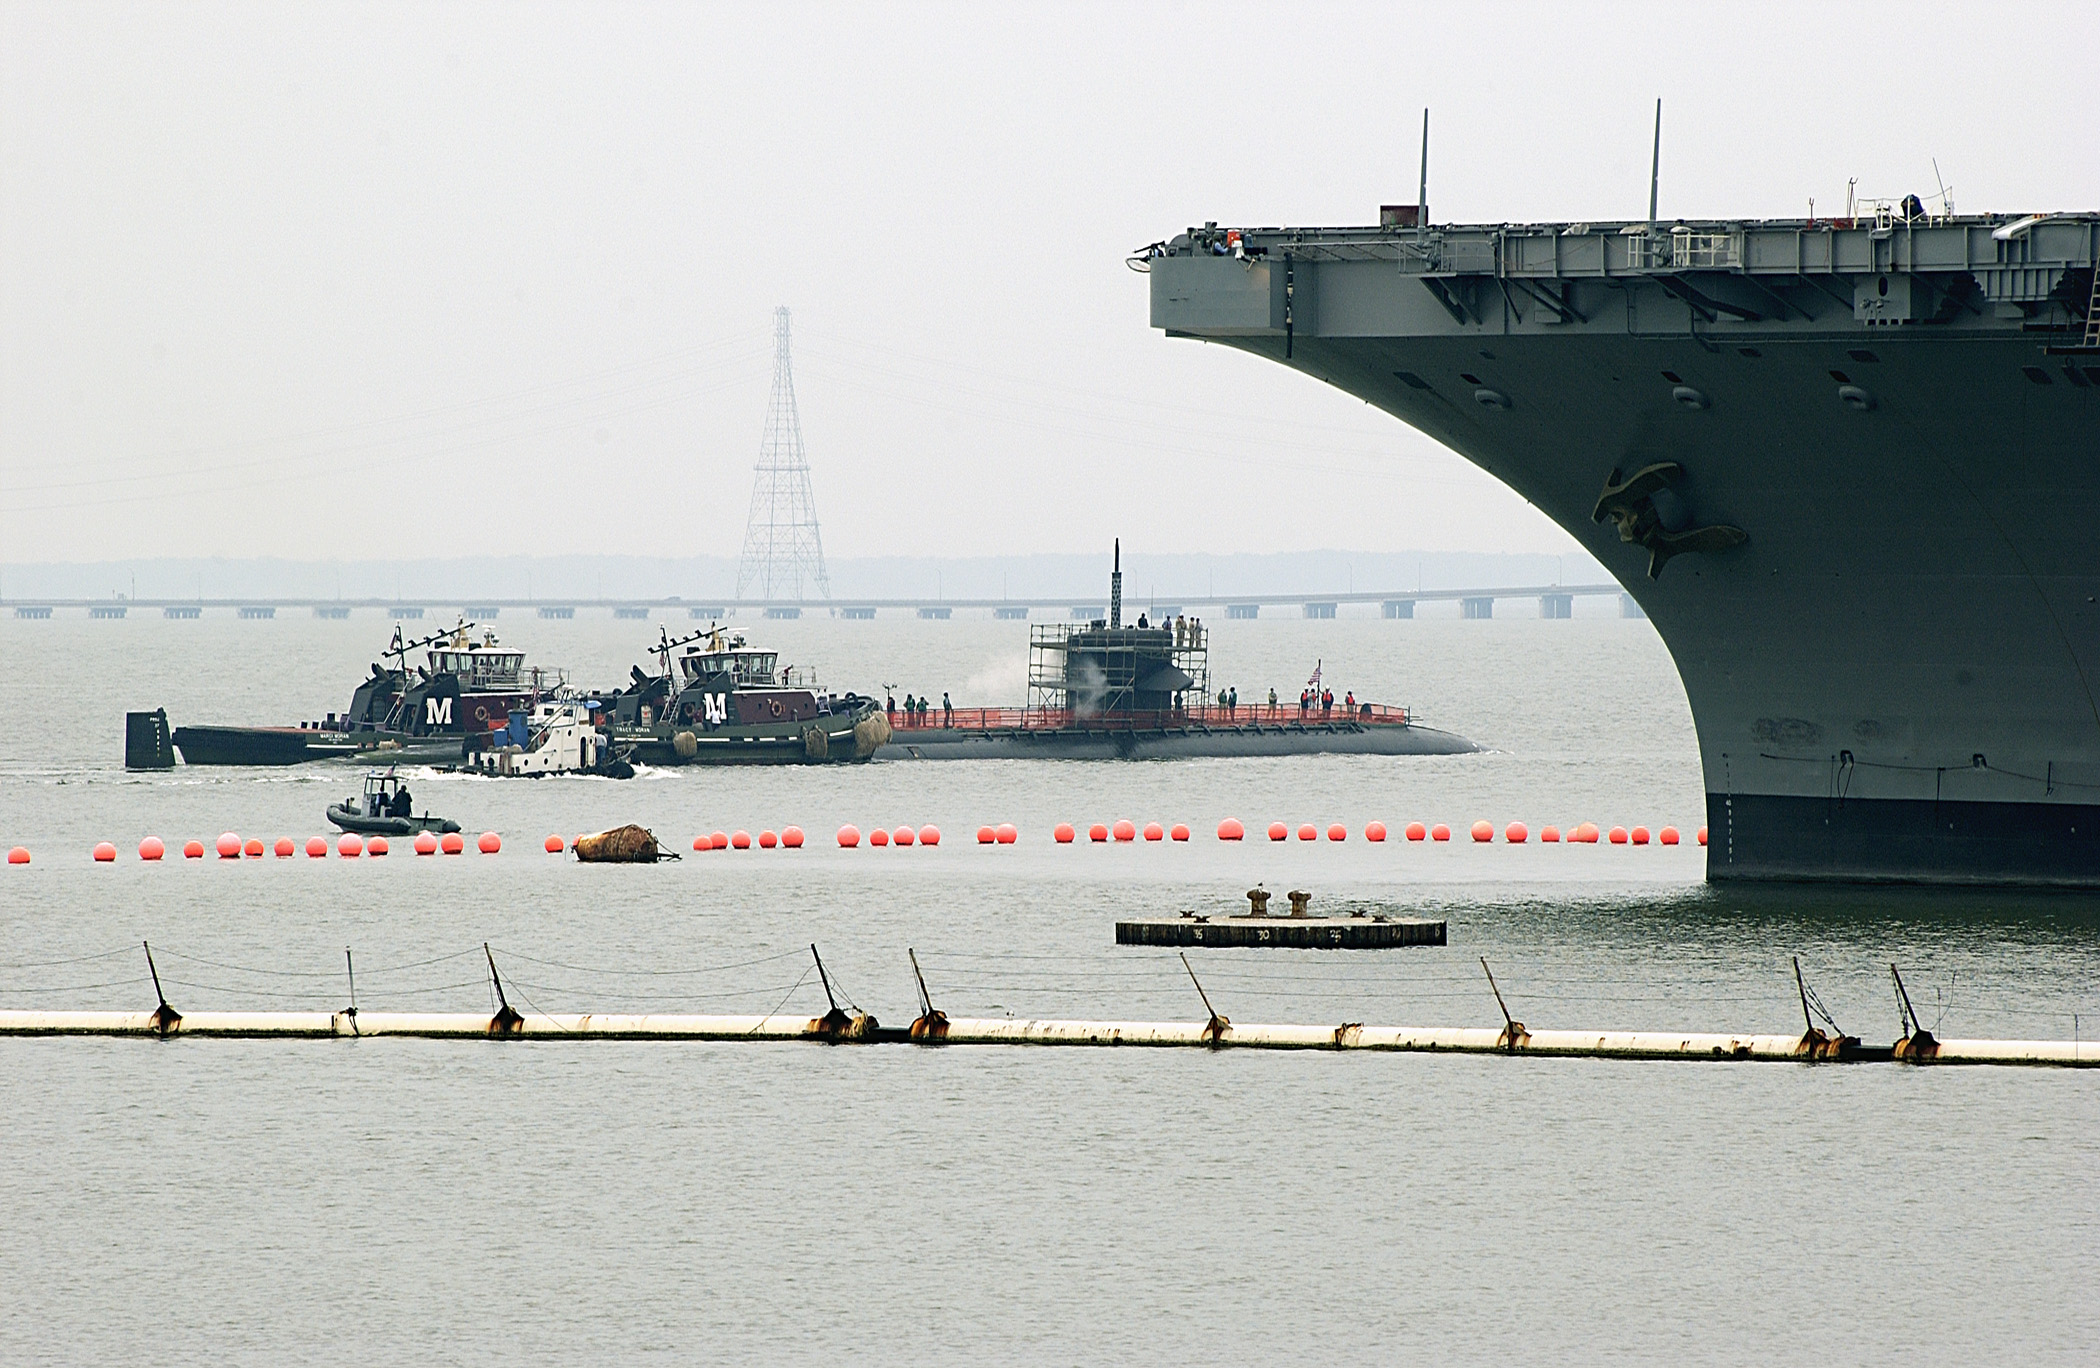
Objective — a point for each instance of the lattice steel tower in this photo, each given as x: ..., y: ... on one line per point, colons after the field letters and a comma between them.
x: 783, y: 552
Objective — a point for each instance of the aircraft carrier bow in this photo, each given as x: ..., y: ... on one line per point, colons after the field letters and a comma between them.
x: 1850, y: 468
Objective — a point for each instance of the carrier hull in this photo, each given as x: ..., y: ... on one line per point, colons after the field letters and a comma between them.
x: 1893, y: 675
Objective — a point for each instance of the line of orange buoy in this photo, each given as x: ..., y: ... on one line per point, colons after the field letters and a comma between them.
x: 230, y: 846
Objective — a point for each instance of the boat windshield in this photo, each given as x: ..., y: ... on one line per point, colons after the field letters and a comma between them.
x: 486, y: 669
x: 745, y: 667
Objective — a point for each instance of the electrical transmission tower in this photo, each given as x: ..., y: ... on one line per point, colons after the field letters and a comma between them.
x: 783, y: 552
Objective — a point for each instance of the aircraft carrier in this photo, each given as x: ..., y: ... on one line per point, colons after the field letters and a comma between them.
x: 1850, y: 468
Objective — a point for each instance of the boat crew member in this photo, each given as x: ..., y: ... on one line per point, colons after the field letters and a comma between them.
x: 403, y: 805
x: 1272, y: 700
x: 1349, y: 701
x: 947, y: 710
x: 1232, y: 701
x: 1142, y: 626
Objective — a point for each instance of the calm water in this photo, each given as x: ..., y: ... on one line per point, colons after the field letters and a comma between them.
x: 308, y: 1202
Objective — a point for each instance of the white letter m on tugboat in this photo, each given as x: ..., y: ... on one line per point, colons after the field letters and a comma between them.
x: 717, y: 708
x: 437, y: 712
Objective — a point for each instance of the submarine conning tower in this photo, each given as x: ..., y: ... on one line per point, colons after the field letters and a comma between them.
x: 1849, y: 468
x: 1107, y: 670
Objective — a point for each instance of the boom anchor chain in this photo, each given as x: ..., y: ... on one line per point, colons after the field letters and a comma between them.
x: 1213, y: 1030
x: 932, y: 1023
x: 1513, y: 1033
x: 165, y: 1019
x: 506, y: 1021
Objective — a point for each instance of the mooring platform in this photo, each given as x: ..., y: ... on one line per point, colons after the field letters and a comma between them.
x: 1302, y: 933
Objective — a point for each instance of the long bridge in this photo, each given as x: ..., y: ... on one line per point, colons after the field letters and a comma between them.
x: 1554, y: 601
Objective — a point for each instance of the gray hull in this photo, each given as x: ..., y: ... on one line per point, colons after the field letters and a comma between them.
x: 1338, y: 738
x: 1893, y: 677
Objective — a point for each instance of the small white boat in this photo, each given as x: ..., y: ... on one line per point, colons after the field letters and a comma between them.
x: 558, y: 736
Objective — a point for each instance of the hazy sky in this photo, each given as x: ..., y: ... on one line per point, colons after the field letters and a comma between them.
x: 319, y: 280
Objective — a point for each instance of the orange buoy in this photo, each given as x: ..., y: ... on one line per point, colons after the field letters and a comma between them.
x: 253, y: 849
x: 849, y: 836
x: 350, y: 847
x: 1702, y: 835
x: 1097, y: 832
x: 768, y: 839
x: 105, y: 853
x: 555, y: 845
x: 929, y: 835
x: 1417, y: 832
x: 1639, y: 835
x: 740, y: 839
x: 1440, y: 832
x: 1337, y: 832
x: 1550, y: 835
x: 1155, y: 832
x: 286, y: 848
x: 229, y: 846
x: 152, y: 848
x: 791, y: 837
x: 426, y: 844
x: 903, y: 836
x: 193, y: 850
x: 1516, y: 833
x: 1179, y: 832
x: 452, y: 843
x: 1374, y: 832
x: 1064, y: 835
x: 985, y: 835
x: 1668, y: 835
x: 376, y: 846
x: 719, y: 841
x: 1125, y: 830
x: 1231, y: 829
x: 1483, y: 831
x: 1585, y: 832
x: 1617, y: 836
x: 1007, y: 833
x: 877, y: 836
x: 316, y: 847
x: 1279, y: 832
x: 489, y: 843
x: 18, y: 855
x: 1308, y: 832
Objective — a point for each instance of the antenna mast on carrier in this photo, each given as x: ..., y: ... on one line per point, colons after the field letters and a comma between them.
x: 783, y: 551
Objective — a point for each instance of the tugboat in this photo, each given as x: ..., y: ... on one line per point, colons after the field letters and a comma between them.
x: 717, y: 701
x: 1103, y: 690
x: 559, y: 736
x: 467, y: 687
x: 386, y: 809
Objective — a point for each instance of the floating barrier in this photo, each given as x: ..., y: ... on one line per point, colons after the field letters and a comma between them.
x: 1337, y: 832
x: 1417, y: 832
x: 986, y: 836
x: 1124, y: 830
x: 285, y: 848
x: 152, y: 848
x: 1668, y: 835
x: 350, y: 847
x: 18, y: 855
x: 1483, y: 832
x: 1008, y: 833
x: 1155, y: 832
x: 1279, y: 832
x: 252, y: 849
x: 791, y: 837
x: 489, y: 843
x: 1064, y: 835
x: 451, y: 843
x: 555, y: 845
x: 903, y: 836
x: 929, y: 835
x: 768, y: 839
x: 1516, y: 833
x: 1375, y: 832
x: 425, y: 844
x: 1549, y: 835
x: 191, y: 850
x: 229, y: 846
x: 105, y: 853
x: 878, y: 837
x: 849, y: 836
x: 316, y: 847
x: 1179, y: 832
x: 1097, y: 832
x: 376, y: 846
x: 1440, y: 832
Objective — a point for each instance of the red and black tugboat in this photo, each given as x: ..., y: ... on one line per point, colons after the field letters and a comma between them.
x: 466, y: 687
x: 717, y: 701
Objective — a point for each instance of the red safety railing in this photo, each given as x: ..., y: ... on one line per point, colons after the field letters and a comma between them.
x: 1207, y: 715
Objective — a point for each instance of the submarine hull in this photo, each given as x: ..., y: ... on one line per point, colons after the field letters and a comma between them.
x: 1170, y: 743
